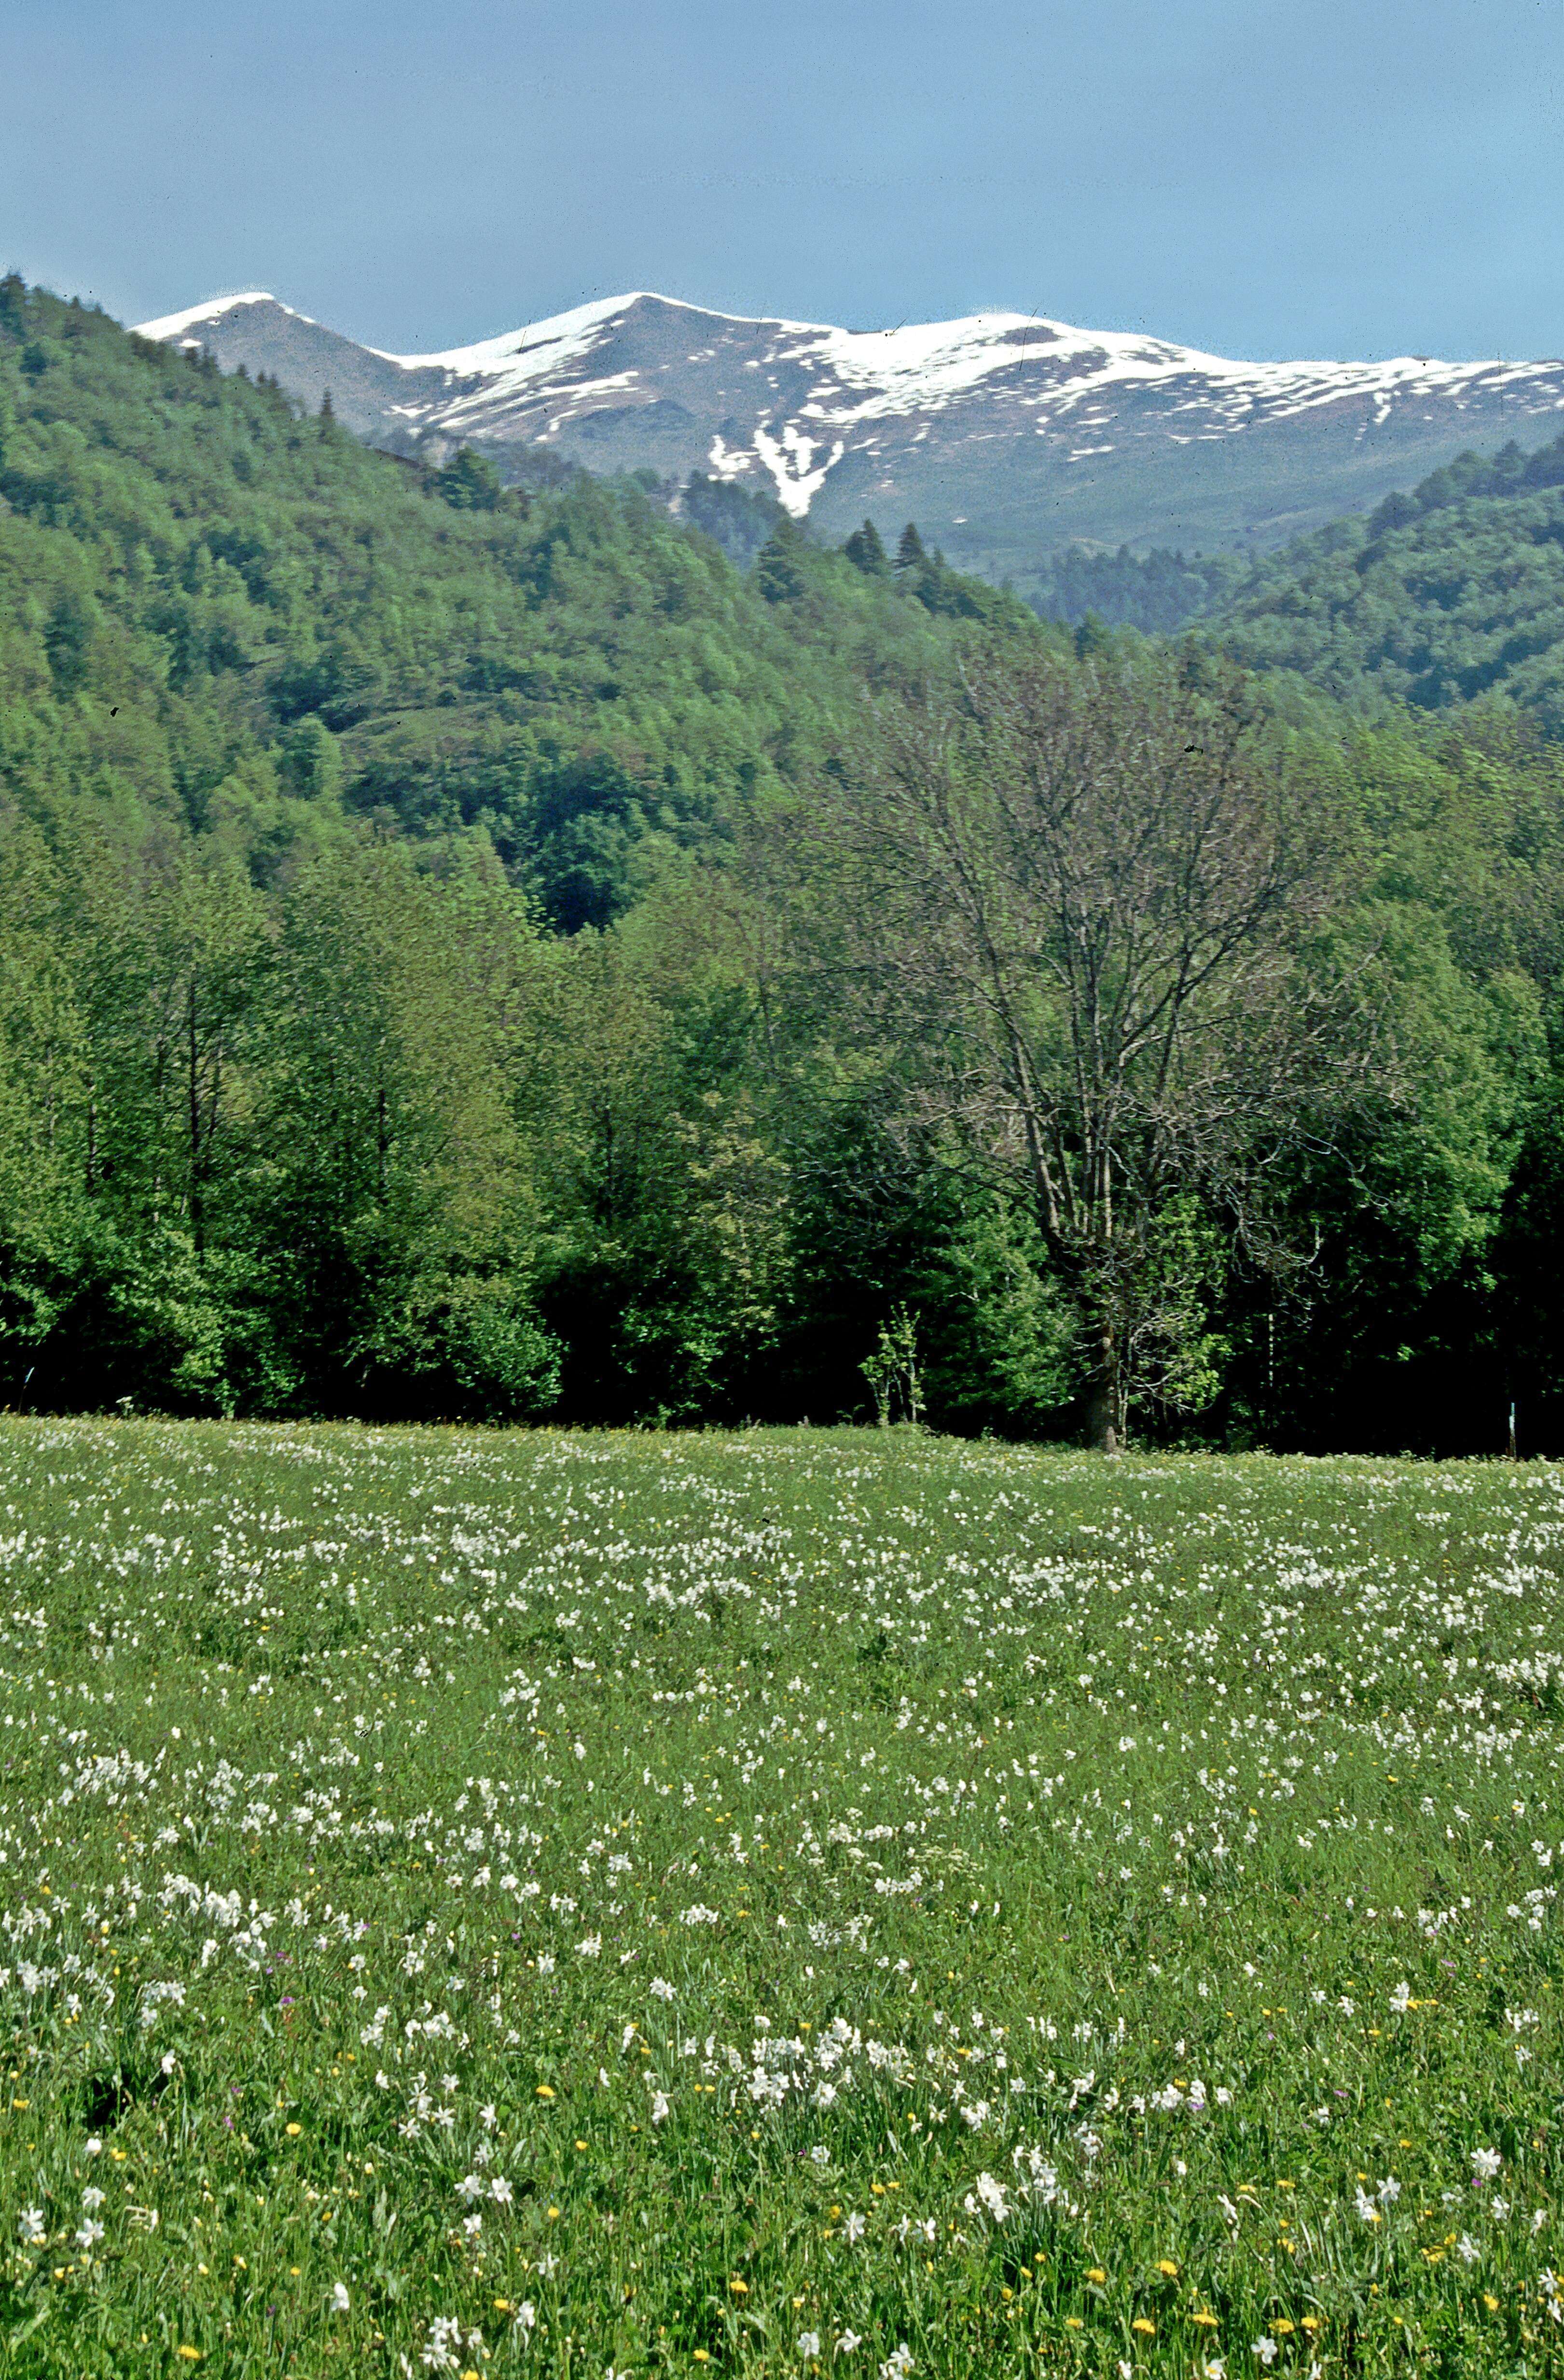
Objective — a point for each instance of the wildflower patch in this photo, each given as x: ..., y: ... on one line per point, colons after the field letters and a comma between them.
x: 468, y: 1904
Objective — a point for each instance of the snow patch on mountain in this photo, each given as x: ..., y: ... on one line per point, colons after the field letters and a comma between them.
x: 790, y: 459
x: 518, y: 358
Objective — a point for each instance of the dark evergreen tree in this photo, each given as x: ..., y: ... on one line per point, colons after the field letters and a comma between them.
x: 866, y: 553
x: 470, y: 482
x: 777, y: 571
x: 910, y: 552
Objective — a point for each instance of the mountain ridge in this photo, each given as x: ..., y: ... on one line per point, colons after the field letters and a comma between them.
x: 1007, y: 436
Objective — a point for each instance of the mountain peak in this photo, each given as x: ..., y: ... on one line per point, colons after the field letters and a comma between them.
x: 1004, y: 435
x: 211, y: 309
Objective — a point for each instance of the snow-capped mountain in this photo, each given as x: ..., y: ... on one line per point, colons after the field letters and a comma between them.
x: 1002, y: 435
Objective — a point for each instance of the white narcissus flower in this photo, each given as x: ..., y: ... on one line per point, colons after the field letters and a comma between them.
x: 1485, y: 2164
x: 340, y: 2299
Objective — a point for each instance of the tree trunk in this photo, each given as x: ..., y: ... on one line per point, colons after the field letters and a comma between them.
x: 1103, y: 1401
x: 192, y: 1087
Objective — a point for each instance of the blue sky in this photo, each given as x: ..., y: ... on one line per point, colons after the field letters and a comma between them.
x: 1317, y: 178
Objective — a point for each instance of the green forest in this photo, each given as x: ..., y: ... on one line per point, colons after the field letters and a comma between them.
x: 495, y: 953
x: 1448, y: 595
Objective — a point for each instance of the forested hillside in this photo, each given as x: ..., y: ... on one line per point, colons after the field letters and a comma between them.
x: 480, y: 952
x: 219, y: 610
x: 1437, y: 597
x: 1453, y: 592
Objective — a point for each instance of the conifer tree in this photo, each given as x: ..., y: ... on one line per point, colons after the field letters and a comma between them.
x: 470, y: 482
x: 777, y: 573
x: 866, y: 553
x: 910, y: 552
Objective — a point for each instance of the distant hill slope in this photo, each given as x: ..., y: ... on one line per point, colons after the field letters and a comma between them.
x: 1446, y: 594
x: 1451, y: 593
x: 1006, y: 437
x: 213, y: 608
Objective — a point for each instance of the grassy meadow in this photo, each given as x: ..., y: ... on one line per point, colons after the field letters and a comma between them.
x: 835, y: 1903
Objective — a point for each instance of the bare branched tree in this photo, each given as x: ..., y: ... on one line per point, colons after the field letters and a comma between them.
x: 1086, y: 900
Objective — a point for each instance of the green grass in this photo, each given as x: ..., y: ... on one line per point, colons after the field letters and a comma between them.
x: 655, y: 1904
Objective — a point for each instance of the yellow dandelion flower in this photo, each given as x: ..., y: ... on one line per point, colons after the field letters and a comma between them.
x: 543, y: 2092
x: 1167, y: 2265
x: 1095, y: 2273
x: 1141, y: 2323
x: 1206, y: 2321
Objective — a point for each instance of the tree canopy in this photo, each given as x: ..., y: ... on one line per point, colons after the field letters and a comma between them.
x: 494, y: 949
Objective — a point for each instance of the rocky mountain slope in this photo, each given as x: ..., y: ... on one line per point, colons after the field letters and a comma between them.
x: 1006, y: 436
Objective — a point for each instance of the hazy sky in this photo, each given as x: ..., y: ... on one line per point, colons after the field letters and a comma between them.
x: 1261, y: 177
